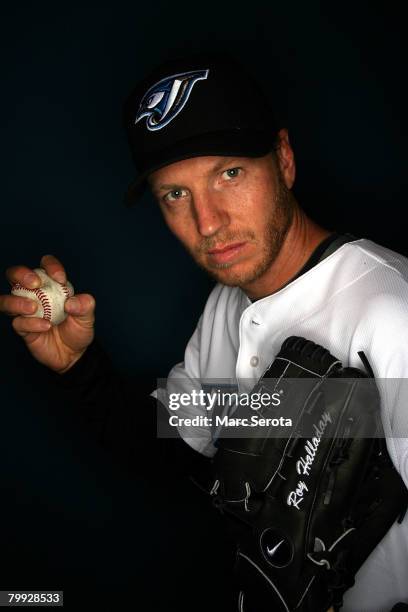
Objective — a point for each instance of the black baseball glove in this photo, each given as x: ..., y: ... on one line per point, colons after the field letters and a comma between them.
x: 307, y: 504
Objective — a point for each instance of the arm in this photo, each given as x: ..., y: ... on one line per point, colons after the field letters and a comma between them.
x: 121, y: 415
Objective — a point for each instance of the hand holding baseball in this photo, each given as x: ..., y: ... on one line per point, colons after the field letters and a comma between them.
x: 56, y: 326
x: 50, y: 297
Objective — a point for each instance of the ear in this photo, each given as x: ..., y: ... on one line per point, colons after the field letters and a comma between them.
x: 286, y: 158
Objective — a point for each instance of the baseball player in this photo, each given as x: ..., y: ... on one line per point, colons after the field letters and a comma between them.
x: 205, y: 141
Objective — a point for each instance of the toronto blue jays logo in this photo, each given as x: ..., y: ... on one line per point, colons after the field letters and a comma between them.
x: 167, y: 98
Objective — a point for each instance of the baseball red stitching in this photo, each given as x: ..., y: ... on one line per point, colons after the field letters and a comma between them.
x: 66, y: 290
x: 45, y: 303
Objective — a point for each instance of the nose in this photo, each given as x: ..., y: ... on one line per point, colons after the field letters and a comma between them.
x: 210, y: 213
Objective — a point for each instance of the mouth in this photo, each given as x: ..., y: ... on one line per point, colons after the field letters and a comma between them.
x: 226, y: 253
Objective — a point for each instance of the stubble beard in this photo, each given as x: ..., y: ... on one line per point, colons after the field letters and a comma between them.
x: 275, y: 232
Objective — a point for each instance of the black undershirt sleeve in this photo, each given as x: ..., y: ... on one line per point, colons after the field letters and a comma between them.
x: 122, y: 417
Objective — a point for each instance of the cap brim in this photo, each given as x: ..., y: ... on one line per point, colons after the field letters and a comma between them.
x: 229, y: 144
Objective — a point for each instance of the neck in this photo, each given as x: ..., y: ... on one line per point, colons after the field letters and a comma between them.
x: 301, y: 240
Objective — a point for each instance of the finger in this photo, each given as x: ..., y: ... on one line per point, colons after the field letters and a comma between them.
x: 15, y: 305
x: 54, y: 268
x: 82, y: 307
x: 28, y: 325
x: 23, y: 275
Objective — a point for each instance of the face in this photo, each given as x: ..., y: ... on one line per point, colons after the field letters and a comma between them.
x: 231, y: 214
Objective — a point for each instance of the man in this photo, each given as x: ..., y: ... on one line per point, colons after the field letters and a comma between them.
x: 204, y: 138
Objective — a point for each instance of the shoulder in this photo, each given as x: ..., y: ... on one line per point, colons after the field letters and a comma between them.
x: 372, y: 277
x: 379, y: 257
x: 386, y: 274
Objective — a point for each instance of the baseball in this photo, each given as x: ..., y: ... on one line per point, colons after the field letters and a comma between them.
x: 51, y: 297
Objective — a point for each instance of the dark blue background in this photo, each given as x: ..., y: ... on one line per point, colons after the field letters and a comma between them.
x: 337, y: 72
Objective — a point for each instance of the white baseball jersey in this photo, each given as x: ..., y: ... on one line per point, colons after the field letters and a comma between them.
x: 356, y: 299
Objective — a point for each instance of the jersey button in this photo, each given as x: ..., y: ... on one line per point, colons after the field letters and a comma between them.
x: 254, y: 361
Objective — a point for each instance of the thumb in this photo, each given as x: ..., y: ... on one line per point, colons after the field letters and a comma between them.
x: 82, y: 308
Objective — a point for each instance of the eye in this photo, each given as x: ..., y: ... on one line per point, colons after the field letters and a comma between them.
x: 231, y: 173
x: 174, y: 195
